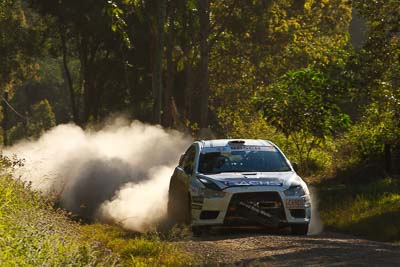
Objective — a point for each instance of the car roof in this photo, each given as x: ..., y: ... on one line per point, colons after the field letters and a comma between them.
x: 225, y: 142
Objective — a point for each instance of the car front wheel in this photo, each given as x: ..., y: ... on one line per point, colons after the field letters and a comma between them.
x: 299, y: 229
x: 178, y: 205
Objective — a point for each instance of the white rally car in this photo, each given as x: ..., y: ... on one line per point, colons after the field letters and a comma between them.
x: 238, y: 182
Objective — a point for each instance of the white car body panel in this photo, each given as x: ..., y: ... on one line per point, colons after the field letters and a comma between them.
x: 241, y: 182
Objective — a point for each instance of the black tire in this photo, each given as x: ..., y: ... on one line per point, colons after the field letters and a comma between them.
x: 200, y: 230
x: 299, y: 229
x: 178, y: 205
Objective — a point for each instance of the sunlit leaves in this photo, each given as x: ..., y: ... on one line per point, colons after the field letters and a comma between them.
x: 17, y: 40
x: 118, y: 23
x: 379, y: 60
x: 302, y: 101
x: 266, y: 39
x: 303, y: 105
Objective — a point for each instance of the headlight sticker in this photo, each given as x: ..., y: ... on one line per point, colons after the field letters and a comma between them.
x: 197, y: 199
x: 294, y: 190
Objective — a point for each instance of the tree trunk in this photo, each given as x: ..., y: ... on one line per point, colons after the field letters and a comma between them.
x: 84, y: 71
x: 5, y: 118
x: 204, y: 18
x: 188, y: 70
x: 157, y: 62
x: 87, y: 54
x: 90, y: 97
x: 168, y: 100
x: 74, y: 108
x: 87, y: 95
x: 188, y: 94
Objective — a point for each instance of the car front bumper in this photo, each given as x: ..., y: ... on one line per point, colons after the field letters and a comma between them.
x: 253, y: 205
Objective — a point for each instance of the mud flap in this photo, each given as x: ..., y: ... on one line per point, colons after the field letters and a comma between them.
x: 258, y: 215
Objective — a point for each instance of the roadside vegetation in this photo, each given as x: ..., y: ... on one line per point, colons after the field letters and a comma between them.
x: 357, y: 195
x: 370, y: 209
x: 134, y: 249
x: 33, y: 233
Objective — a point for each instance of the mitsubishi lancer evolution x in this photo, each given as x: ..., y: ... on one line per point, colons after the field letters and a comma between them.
x: 238, y: 182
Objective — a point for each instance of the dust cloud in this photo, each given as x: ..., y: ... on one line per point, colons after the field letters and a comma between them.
x: 119, y: 173
x: 316, y: 224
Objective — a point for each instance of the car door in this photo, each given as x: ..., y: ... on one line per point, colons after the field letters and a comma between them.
x: 178, y: 194
x: 186, y: 168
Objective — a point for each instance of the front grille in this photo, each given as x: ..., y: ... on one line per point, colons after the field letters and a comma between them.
x: 268, y: 202
x: 298, y: 213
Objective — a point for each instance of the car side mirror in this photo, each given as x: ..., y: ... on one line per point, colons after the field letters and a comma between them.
x: 181, y: 160
x: 188, y: 170
x: 295, y: 166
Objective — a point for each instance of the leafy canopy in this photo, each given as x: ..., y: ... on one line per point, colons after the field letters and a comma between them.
x: 302, y: 101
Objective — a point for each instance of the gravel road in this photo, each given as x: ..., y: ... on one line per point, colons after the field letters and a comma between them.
x: 238, y: 247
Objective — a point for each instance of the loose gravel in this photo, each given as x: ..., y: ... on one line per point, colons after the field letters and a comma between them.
x: 239, y: 247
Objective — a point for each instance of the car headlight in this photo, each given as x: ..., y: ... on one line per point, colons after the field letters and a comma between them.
x: 295, y: 191
x: 209, y: 193
x: 211, y: 190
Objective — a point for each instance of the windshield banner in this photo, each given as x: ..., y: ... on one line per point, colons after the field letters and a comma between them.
x: 237, y: 148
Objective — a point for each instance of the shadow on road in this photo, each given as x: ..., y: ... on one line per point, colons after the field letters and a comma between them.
x: 266, y: 247
x: 223, y: 233
x: 327, y: 252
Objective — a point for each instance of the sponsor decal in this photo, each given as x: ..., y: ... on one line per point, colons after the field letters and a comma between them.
x: 246, y: 147
x: 253, y: 148
x: 253, y: 182
x: 255, y: 209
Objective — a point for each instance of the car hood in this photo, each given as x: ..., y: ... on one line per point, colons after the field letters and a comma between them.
x: 230, y: 179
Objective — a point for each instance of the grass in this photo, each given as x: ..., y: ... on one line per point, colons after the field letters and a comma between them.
x: 32, y: 233
x: 137, y: 249
x: 370, y: 210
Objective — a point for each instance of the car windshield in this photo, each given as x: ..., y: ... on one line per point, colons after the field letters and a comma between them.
x: 242, y: 161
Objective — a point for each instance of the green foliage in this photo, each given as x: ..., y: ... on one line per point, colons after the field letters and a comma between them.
x: 303, y: 101
x: 19, y: 43
x: 365, y: 139
x: 297, y: 53
x: 135, y: 249
x: 306, y: 42
x: 42, y: 120
x: 12, y: 25
x: 302, y: 105
x: 378, y: 61
x: 118, y: 23
x: 33, y: 234
x: 369, y: 209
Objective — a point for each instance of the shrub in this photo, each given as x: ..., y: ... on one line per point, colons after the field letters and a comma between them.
x: 365, y: 140
x: 33, y: 234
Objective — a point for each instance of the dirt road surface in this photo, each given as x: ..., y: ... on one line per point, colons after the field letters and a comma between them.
x: 240, y: 247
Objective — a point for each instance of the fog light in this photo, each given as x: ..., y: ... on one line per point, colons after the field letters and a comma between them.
x: 297, y: 203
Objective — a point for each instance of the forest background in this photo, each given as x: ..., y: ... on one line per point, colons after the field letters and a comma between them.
x: 321, y: 78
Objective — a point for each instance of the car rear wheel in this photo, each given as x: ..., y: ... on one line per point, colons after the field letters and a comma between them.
x: 299, y: 229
